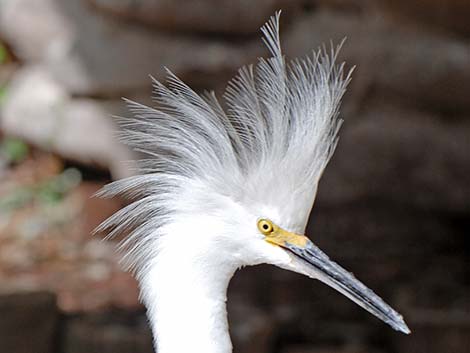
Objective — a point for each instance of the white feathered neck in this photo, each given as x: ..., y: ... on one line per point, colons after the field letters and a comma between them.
x: 271, y: 145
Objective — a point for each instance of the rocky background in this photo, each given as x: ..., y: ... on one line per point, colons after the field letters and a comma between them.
x: 393, y: 205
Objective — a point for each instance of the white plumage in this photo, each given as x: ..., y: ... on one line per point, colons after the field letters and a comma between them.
x: 215, y: 180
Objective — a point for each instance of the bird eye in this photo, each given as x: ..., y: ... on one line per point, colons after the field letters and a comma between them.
x: 265, y: 226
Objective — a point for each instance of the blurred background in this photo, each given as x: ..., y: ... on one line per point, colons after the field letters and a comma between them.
x: 393, y: 205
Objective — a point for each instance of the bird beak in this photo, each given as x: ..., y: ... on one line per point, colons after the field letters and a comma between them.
x: 310, y: 260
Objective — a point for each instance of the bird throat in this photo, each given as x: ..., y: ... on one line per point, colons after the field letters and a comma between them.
x: 186, y: 303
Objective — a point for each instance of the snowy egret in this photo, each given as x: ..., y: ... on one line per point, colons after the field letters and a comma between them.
x: 222, y: 189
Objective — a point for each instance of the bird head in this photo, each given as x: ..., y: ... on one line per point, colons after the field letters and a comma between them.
x: 234, y: 184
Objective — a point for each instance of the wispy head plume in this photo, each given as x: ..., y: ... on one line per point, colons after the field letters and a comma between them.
x: 278, y: 133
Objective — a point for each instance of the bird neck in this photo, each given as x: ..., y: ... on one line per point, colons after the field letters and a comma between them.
x: 186, y: 302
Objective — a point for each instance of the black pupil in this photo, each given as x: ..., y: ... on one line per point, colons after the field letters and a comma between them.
x: 265, y: 227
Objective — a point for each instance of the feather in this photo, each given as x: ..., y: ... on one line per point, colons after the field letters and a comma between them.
x: 278, y: 133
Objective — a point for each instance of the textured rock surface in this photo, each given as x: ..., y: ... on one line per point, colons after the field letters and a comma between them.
x: 108, y: 332
x: 398, y: 156
x: 39, y: 110
x: 92, y: 55
x: 450, y: 15
x: 28, y: 322
x: 226, y: 16
x: 419, y: 69
x: 437, y: 331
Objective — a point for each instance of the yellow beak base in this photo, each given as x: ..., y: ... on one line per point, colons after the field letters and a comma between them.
x: 281, y: 237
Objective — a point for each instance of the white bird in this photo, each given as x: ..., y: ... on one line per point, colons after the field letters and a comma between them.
x: 222, y: 189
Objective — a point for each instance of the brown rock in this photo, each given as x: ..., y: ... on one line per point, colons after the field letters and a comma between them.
x: 40, y: 111
x: 252, y: 329
x: 326, y: 349
x: 28, y: 322
x: 209, y: 16
x: 450, y: 15
x: 419, y: 69
x: 116, y: 332
x: 402, y: 158
x: 93, y: 55
x: 435, y: 332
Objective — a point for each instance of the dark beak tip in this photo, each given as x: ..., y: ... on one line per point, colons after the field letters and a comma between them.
x: 398, y: 323
x: 403, y: 328
x: 345, y: 282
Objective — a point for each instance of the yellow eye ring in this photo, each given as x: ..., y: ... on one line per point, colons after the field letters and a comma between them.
x: 265, y: 226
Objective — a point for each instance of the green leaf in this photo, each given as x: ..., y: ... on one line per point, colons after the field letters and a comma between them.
x: 3, y: 53
x: 3, y: 93
x: 54, y: 190
x: 14, y: 149
x: 16, y: 199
